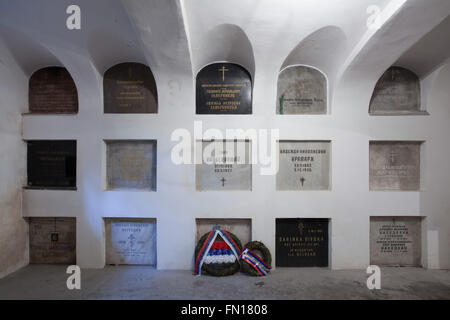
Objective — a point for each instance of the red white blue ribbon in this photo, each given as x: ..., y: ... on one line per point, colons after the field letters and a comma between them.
x: 253, y: 260
x: 218, y: 254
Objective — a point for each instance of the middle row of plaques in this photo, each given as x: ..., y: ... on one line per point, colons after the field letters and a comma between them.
x: 226, y: 165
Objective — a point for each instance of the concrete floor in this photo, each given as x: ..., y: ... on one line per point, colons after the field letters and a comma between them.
x: 133, y: 282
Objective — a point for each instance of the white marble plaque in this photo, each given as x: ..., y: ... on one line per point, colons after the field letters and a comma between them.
x: 395, y: 165
x: 395, y: 241
x: 304, y: 165
x: 241, y: 228
x: 226, y: 166
x: 130, y: 241
x: 301, y: 90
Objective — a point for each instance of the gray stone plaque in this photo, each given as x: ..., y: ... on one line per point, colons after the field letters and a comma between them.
x: 395, y: 165
x: 301, y: 90
x: 396, y: 92
x: 229, y: 169
x: 131, y: 164
x: 53, y: 240
x: 304, y: 165
x: 241, y: 228
x: 130, y: 241
x: 395, y: 241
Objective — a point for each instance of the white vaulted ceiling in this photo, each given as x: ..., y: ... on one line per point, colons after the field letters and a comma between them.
x: 262, y: 35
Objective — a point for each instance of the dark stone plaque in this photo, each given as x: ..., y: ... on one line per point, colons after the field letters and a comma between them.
x: 224, y: 88
x: 53, y: 240
x: 52, y: 90
x: 301, y: 90
x: 130, y: 88
x: 395, y: 241
x: 131, y: 164
x: 52, y: 164
x: 301, y: 242
x: 396, y: 92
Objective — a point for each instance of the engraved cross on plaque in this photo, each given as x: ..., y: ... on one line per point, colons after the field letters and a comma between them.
x: 223, y: 69
x: 132, y: 240
x: 302, y: 180
x: 392, y: 156
x: 223, y: 181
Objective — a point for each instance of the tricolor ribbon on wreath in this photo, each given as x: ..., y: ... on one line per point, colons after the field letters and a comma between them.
x: 206, y: 253
x: 252, y: 259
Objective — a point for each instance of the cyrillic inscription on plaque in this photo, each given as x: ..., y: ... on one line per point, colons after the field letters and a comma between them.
x: 53, y: 240
x: 396, y: 92
x: 301, y: 90
x: 395, y: 165
x: 131, y: 164
x: 51, y: 163
x: 301, y: 242
x: 224, y: 88
x: 395, y: 241
x: 52, y: 90
x: 130, y: 241
x: 242, y: 228
x: 304, y: 165
x: 226, y: 166
x: 130, y: 88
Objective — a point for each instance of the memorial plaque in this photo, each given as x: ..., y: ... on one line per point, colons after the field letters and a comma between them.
x: 227, y: 166
x: 53, y: 240
x: 224, y: 88
x: 396, y: 92
x: 130, y: 241
x: 395, y: 241
x: 131, y: 164
x: 52, y: 90
x: 301, y: 242
x: 52, y: 164
x: 130, y: 88
x: 304, y: 165
x: 241, y: 228
x: 301, y: 90
x: 395, y: 165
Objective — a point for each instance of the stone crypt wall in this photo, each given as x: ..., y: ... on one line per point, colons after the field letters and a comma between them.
x: 175, y: 206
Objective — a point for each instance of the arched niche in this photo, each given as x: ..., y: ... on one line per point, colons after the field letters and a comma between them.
x: 52, y: 90
x: 223, y: 88
x: 129, y: 88
x: 397, y: 92
x: 301, y: 90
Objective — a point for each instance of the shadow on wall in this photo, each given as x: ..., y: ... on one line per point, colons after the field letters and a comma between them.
x: 28, y: 54
x: 324, y: 50
x: 107, y: 49
x: 225, y: 42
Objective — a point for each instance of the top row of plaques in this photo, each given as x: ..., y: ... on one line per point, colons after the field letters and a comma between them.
x: 221, y: 88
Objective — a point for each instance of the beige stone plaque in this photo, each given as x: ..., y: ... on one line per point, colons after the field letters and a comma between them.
x: 241, y: 228
x: 395, y: 241
x: 395, y: 165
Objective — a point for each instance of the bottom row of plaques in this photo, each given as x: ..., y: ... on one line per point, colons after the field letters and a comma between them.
x: 299, y: 242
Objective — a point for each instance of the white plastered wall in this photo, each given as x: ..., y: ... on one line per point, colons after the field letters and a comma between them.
x: 169, y: 37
